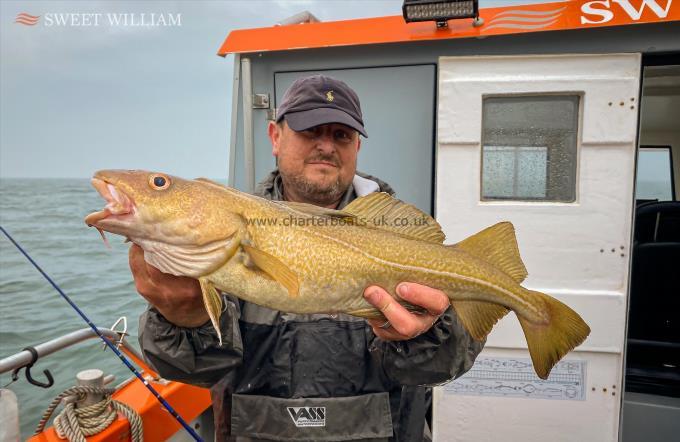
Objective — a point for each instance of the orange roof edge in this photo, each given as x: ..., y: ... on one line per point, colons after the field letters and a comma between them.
x: 574, y: 14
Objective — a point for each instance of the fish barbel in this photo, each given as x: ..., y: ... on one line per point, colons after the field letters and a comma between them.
x: 302, y: 258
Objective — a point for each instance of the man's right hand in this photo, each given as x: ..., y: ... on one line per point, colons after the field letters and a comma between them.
x: 177, y: 298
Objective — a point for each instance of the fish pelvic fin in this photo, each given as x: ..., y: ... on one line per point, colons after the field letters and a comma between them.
x: 497, y: 245
x: 367, y: 313
x: 550, y: 341
x: 277, y: 270
x: 382, y: 211
x: 374, y: 313
x: 213, y: 304
x: 478, y: 317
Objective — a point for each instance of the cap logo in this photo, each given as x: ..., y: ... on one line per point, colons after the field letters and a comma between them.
x: 329, y: 96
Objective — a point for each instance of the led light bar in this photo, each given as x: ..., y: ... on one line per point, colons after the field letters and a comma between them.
x: 439, y: 11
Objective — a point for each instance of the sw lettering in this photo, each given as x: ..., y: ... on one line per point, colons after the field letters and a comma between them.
x: 602, y: 10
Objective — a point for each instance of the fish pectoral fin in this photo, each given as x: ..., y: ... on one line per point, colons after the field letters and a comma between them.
x: 272, y: 266
x: 478, y: 317
x: 213, y: 304
x: 549, y: 342
x: 497, y: 245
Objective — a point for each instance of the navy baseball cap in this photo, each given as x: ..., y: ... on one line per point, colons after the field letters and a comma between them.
x: 316, y: 100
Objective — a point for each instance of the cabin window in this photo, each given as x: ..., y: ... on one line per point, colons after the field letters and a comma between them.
x: 654, y: 174
x: 529, y: 148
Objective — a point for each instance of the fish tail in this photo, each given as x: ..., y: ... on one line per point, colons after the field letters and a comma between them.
x: 549, y: 341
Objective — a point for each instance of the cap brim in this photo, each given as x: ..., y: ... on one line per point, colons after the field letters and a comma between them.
x: 304, y: 120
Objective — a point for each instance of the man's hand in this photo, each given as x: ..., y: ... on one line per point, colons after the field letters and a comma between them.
x: 177, y: 298
x: 402, y: 324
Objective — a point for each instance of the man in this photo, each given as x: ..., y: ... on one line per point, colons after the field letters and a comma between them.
x: 283, y: 376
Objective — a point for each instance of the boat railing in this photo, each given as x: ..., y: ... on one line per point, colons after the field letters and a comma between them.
x: 190, y: 402
x: 26, y: 357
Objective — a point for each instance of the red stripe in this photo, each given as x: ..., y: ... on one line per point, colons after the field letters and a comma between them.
x: 23, y: 14
x: 27, y: 23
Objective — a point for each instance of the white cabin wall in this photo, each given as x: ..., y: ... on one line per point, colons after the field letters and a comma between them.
x: 575, y: 251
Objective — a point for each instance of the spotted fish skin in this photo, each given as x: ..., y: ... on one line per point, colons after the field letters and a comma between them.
x: 301, y: 258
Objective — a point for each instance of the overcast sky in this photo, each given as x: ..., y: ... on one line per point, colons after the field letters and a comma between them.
x: 77, y: 99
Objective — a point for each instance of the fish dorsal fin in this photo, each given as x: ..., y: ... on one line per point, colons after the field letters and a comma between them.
x: 311, y: 209
x: 273, y: 267
x: 497, y: 245
x: 383, y: 211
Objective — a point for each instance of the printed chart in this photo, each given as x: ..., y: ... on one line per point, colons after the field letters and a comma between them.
x: 515, y: 377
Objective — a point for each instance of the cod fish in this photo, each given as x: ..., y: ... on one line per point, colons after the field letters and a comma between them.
x: 301, y: 258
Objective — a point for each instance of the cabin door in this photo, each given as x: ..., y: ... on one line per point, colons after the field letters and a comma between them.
x: 548, y: 143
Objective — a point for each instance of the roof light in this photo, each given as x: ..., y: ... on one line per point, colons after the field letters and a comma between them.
x: 440, y: 11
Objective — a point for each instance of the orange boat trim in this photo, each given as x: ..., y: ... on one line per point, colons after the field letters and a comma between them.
x: 517, y: 19
x: 189, y: 401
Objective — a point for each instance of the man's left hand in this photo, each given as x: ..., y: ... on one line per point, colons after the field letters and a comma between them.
x: 402, y: 324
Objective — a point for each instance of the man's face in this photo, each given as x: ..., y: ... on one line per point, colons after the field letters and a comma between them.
x: 317, y: 165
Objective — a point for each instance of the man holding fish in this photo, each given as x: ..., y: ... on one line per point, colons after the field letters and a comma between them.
x: 284, y: 376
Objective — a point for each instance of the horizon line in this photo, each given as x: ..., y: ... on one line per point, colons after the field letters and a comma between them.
x: 77, y: 178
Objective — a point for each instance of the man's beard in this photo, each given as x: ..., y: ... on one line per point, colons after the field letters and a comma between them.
x: 315, y: 192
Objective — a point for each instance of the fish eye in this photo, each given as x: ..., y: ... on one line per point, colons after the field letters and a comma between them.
x: 159, y: 182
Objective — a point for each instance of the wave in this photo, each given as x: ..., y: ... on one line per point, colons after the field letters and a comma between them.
x: 27, y: 19
x: 519, y: 19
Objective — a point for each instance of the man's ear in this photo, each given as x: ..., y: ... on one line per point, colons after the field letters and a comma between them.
x: 359, y: 144
x: 274, y: 133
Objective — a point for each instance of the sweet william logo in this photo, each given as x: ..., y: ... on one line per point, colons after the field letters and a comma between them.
x: 26, y: 19
x: 101, y: 19
x: 308, y: 416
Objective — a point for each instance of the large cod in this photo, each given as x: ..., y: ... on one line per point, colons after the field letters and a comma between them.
x: 301, y: 258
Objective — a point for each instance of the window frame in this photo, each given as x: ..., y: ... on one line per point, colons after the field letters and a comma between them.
x: 667, y: 147
x: 580, y: 94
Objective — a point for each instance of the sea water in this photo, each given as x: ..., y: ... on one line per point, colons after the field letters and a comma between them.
x: 46, y: 217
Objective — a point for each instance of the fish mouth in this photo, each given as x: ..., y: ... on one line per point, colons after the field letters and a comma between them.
x: 119, y: 206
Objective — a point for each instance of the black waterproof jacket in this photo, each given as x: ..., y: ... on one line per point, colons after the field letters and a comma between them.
x: 288, y: 377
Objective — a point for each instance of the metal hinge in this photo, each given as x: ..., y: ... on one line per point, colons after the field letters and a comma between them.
x: 260, y: 101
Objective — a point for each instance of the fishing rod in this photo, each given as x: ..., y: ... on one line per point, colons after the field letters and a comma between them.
x: 120, y: 355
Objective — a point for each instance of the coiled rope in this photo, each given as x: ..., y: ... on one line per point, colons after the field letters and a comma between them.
x: 74, y: 424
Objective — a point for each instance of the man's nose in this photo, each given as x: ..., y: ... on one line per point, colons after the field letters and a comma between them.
x: 326, y: 144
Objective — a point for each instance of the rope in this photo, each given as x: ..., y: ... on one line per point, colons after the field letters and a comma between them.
x: 74, y: 424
